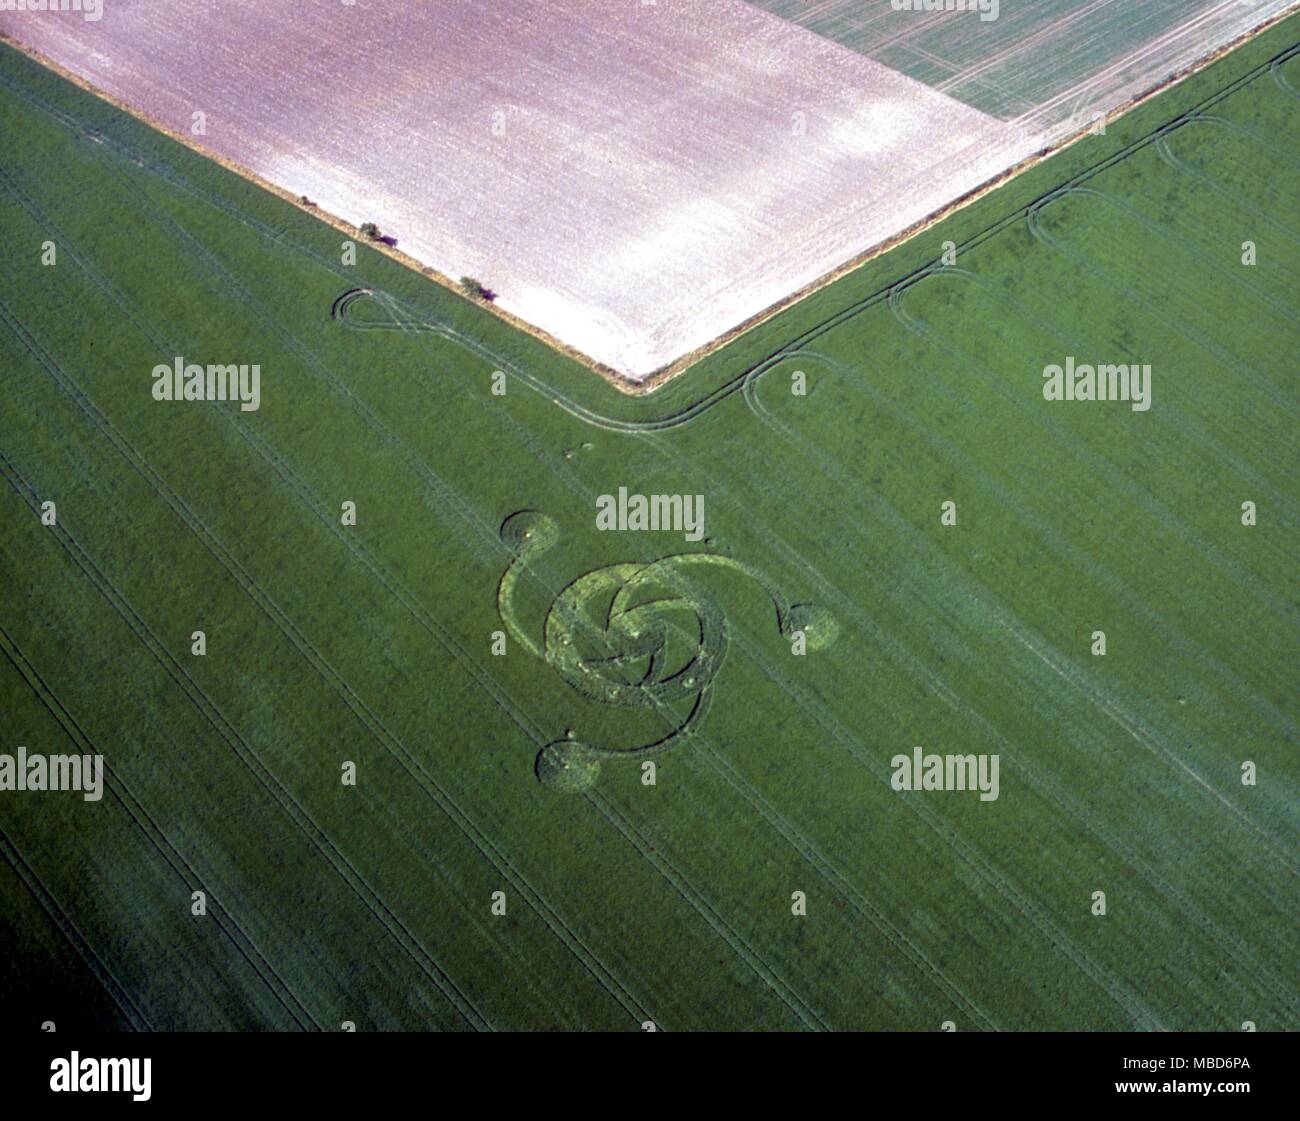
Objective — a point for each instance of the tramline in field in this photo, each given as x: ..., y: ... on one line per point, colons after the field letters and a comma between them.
x: 968, y: 710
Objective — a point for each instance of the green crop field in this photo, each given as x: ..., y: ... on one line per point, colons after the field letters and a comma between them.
x: 1053, y: 61
x: 495, y: 673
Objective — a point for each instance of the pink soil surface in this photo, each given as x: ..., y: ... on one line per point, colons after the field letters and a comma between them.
x: 635, y: 179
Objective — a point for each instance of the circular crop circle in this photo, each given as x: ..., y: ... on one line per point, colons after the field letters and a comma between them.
x: 626, y: 636
x: 567, y: 766
x: 529, y: 529
x: 819, y: 626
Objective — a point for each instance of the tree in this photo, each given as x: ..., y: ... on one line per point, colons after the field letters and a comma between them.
x: 475, y: 290
x: 370, y: 230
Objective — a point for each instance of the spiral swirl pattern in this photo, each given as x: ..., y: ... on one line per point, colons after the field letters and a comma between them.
x: 633, y: 635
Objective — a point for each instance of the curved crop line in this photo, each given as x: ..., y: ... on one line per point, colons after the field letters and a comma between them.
x: 671, y: 422
x: 777, y: 356
x: 837, y: 731
x: 1181, y: 326
x: 417, y: 322
x: 1164, y: 149
x: 1210, y: 555
x: 677, y: 419
x: 1182, y: 420
x: 821, y: 714
x: 1158, y: 230
x: 1042, y: 781
x: 1054, y: 541
x: 362, y: 711
x: 805, y: 846
x: 1283, y: 82
x: 1122, y: 482
x: 575, y: 774
x: 341, y: 312
x: 709, y: 757
x: 1268, y: 144
x: 275, y: 460
x: 753, y: 398
x: 847, y: 740
x: 826, y: 464
x: 417, y: 319
x: 623, y: 656
x: 571, y: 766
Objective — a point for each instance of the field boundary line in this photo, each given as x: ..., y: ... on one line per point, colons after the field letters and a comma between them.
x: 243, y: 429
x: 524, y: 433
x: 827, y: 870
x: 269, y: 455
x: 719, y: 393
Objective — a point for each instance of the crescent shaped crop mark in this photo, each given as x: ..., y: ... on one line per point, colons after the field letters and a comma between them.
x: 1283, y: 82
x: 633, y: 635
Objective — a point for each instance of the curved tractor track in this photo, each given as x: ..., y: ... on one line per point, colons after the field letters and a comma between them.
x: 404, y: 317
x: 408, y: 317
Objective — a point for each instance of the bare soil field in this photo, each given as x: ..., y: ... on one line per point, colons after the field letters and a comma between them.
x: 634, y: 181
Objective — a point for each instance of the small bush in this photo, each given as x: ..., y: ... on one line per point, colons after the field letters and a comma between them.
x: 476, y: 290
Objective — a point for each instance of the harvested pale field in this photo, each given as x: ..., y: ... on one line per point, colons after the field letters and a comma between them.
x: 635, y: 180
